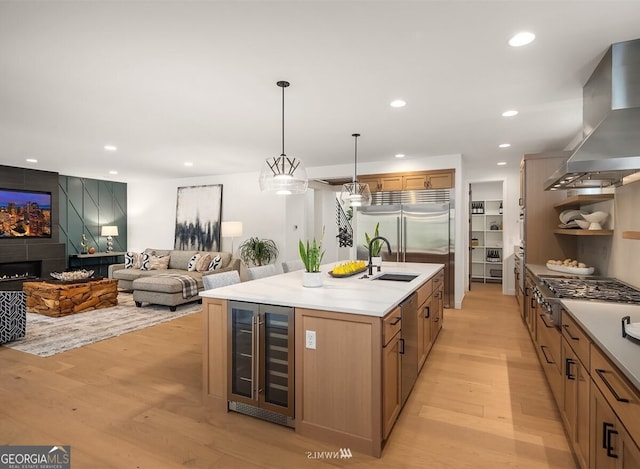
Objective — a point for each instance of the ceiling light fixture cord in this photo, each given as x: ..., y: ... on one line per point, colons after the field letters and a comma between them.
x: 355, y: 165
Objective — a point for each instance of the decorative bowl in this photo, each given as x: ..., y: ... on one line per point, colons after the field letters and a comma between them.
x: 569, y: 215
x: 75, y: 275
x: 583, y: 224
x: 595, y: 219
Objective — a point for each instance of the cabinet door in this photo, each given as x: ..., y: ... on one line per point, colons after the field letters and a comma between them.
x: 437, y: 305
x: 604, y: 433
x: 417, y: 182
x: 575, y: 408
x: 440, y: 181
x: 373, y: 182
x: 422, y: 353
x: 630, y: 453
x: 391, y: 382
x: 391, y: 183
x: 275, y: 351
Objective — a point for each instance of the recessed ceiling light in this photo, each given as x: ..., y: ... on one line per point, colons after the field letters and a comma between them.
x: 188, y: 163
x: 400, y: 155
x: 31, y: 160
x: 510, y: 113
x: 502, y: 163
x: 522, y: 39
x: 504, y: 145
x: 110, y: 147
x: 398, y: 103
x: 113, y: 172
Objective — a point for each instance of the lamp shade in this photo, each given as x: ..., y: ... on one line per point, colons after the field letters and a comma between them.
x: 109, y: 230
x: 283, y: 175
x: 231, y: 229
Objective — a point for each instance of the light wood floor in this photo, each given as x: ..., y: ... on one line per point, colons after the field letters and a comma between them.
x: 133, y: 401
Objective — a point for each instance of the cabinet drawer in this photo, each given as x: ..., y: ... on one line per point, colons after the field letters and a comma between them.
x: 391, y: 325
x: 576, y: 338
x: 425, y: 291
x: 438, y: 279
x: 623, y: 398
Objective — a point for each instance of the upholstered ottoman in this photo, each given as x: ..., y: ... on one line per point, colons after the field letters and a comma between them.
x: 13, y: 316
x: 167, y: 290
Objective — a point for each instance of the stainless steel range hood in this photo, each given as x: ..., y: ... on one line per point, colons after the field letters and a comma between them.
x: 611, y: 124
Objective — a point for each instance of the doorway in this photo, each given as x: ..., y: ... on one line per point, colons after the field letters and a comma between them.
x: 486, y: 239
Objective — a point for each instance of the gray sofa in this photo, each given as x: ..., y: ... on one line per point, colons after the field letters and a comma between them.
x: 163, y: 285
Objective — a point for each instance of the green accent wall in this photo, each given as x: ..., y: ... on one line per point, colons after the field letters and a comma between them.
x: 86, y: 205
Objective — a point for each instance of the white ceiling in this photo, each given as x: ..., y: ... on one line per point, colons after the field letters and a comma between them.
x: 169, y: 82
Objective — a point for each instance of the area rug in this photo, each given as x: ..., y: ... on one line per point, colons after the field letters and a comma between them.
x: 47, y: 336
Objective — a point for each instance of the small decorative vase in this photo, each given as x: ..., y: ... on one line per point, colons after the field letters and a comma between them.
x: 311, y: 279
x: 377, y: 260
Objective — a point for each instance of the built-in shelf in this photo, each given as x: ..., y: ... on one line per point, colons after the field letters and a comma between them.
x: 631, y: 234
x: 577, y: 200
x: 583, y: 232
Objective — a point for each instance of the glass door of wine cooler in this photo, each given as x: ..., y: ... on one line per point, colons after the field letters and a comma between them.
x: 243, y: 383
x: 261, y: 360
x: 276, y: 367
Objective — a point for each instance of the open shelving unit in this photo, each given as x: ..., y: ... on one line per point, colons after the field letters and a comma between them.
x: 487, y: 242
x: 576, y: 202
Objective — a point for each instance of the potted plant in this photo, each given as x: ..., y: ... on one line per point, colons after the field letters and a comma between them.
x: 258, y: 251
x: 311, y: 255
x: 376, y: 247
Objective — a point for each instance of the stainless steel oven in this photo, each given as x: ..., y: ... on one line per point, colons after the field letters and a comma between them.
x: 548, y: 291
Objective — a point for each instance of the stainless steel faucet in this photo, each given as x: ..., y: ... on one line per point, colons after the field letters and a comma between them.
x: 370, y: 244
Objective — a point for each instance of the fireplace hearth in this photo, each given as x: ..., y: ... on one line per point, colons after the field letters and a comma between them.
x: 12, y: 274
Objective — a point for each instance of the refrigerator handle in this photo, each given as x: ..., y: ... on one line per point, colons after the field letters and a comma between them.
x: 398, y: 238
x: 404, y: 239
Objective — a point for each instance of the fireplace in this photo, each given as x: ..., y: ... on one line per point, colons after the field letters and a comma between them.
x: 12, y: 274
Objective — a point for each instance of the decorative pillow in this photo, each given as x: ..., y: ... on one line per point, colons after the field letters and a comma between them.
x: 191, y: 266
x: 215, y: 263
x: 133, y: 260
x: 144, y: 265
x: 158, y: 262
x: 202, y: 265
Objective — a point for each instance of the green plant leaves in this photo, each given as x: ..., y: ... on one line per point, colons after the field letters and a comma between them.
x: 258, y: 251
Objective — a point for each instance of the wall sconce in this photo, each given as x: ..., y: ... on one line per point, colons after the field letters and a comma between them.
x: 109, y: 232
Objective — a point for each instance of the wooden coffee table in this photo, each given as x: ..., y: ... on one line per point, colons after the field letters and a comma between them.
x: 58, y: 299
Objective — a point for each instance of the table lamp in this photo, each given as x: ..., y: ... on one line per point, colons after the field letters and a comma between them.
x: 231, y: 229
x: 109, y: 232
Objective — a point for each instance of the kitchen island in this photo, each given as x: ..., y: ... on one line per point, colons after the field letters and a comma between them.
x: 345, y: 339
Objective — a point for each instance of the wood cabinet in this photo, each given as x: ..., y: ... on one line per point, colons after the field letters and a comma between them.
x: 549, y: 353
x: 540, y: 220
x: 530, y: 309
x: 517, y: 277
x: 440, y: 179
x: 391, y: 383
x: 611, y: 445
x: 214, y: 353
x: 575, y: 403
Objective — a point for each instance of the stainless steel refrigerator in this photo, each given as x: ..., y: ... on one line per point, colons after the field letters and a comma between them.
x: 417, y: 232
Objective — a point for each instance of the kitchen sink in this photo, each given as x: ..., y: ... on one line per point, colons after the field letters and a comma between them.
x: 396, y: 277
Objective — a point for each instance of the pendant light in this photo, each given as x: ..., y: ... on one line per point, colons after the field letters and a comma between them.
x: 355, y: 194
x: 283, y: 175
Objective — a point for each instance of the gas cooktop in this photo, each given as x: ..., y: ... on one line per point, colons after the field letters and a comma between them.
x: 603, y: 289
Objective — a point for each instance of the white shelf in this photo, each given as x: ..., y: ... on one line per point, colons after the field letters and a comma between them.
x: 488, y: 240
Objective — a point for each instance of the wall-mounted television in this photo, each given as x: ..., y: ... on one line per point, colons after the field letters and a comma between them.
x: 25, y: 214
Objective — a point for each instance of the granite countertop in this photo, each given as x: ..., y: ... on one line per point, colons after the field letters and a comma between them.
x: 602, y: 322
x: 345, y: 295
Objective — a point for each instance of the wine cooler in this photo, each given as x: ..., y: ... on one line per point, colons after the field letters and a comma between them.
x: 261, y: 367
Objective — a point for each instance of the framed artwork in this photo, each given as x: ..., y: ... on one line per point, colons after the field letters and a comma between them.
x: 198, y: 218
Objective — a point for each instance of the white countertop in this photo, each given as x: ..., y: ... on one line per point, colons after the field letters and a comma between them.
x: 345, y: 295
x: 602, y: 322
